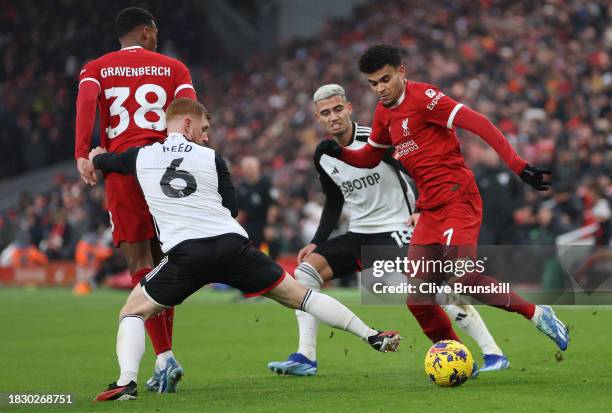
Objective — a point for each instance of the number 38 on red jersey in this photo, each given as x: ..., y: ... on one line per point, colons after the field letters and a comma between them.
x: 135, y: 88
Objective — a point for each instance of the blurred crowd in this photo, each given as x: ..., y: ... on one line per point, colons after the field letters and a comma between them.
x: 52, y: 225
x: 45, y: 44
x: 541, y: 71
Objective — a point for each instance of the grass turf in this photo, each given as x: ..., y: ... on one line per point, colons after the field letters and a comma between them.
x: 53, y: 342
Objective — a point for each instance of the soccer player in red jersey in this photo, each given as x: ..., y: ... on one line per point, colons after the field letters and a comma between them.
x: 132, y: 88
x: 418, y: 120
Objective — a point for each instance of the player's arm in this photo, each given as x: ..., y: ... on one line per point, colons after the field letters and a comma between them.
x: 368, y: 156
x: 184, y: 85
x: 87, y: 97
x: 226, y: 186
x: 480, y: 125
x: 123, y: 163
x: 449, y: 113
x: 332, y: 209
x: 373, y: 152
x: 468, y: 119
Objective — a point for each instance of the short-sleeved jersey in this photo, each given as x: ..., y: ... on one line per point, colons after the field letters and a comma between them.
x: 420, y: 127
x: 135, y: 88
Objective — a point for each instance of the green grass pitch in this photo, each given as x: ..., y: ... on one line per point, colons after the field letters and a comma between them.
x: 53, y: 342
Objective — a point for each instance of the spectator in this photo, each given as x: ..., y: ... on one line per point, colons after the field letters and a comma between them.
x: 568, y: 211
x: 501, y: 193
x: 22, y: 254
x: 90, y: 252
x: 254, y: 199
x: 600, y: 212
x: 543, y: 234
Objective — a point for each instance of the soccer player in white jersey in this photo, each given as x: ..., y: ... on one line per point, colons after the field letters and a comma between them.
x: 380, y: 204
x: 191, y: 197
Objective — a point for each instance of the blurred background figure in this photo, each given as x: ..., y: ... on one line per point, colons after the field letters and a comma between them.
x: 502, y: 194
x: 91, y: 251
x: 23, y: 254
x: 599, y: 212
x: 254, y: 201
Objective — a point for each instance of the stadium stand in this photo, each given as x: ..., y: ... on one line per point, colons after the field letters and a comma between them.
x: 540, y: 70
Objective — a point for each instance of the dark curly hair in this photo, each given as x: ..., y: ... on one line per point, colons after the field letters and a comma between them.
x: 378, y: 56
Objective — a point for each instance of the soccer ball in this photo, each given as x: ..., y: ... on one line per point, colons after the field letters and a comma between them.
x: 449, y: 363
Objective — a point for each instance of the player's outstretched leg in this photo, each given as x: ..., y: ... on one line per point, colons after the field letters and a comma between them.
x: 547, y: 322
x: 304, y: 361
x: 292, y: 294
x: 543, y: 317
x: 469, y: 320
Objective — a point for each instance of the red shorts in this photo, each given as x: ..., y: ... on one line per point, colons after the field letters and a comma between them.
x: 129, y: 214
x: 456, y: 224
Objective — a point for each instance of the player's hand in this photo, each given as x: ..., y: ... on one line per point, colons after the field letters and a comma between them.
x: 305, y: 252
x: 328, y: 147
x: 87, y: 171
x: 535, y: 177
x: 413, y: 219
x: 95, y: 152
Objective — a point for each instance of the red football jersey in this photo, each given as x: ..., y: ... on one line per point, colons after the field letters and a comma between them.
x: 135, y: 87
x: 420, y: 127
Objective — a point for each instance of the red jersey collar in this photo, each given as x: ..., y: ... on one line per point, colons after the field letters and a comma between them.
x: 402, y: 97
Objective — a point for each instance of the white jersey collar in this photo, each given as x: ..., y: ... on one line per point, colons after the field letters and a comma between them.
x: 176, y: 135
x: 132, y: 47
x: 353, y: 135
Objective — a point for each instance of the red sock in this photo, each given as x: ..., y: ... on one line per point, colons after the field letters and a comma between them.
x: 169, y: 323
x: 434, y: 322
x: 139, y: 275
x: 156, y: 328
x: 506, y: 301
x: 157, y: 325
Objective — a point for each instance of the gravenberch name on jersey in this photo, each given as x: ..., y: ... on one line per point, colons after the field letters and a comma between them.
x: 124, y: 71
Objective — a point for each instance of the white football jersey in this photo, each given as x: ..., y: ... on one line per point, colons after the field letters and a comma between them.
x: 378, y: 199
x: 180, y: 183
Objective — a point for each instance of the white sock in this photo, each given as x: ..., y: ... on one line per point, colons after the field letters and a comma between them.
x: 160, y: 361
x: 471, y: 322
x: 536, y: 315
x: 308, y: 326
x: 130, y: 347
x: 335, y: 314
